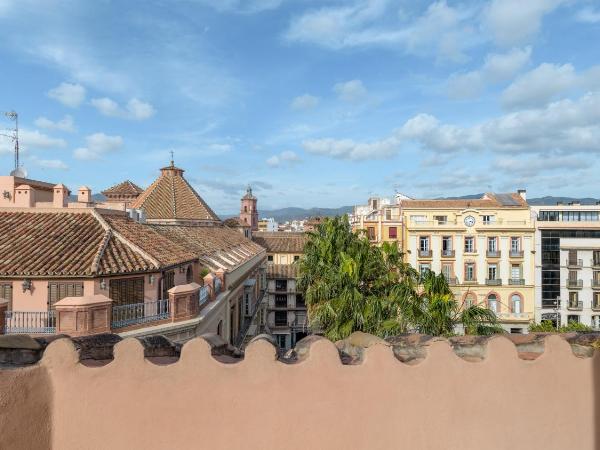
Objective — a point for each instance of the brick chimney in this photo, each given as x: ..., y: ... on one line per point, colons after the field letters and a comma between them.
x: 523, y: 193
x: 61, y: 194
x: 84, y: 195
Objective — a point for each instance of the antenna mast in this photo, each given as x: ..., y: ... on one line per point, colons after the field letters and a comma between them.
x: 14, y: 136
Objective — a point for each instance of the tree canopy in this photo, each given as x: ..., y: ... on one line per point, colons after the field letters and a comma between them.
x: 350, y: 285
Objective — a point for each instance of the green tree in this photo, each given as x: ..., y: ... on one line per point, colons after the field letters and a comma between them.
x: 546, y: 326
x: 350, y: 285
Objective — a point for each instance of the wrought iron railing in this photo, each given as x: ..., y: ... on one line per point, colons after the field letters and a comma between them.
x: 203, y: 296
x: 30, y: 322
x: 575, y: 305
x: 574, y: 283
x: 126, y: 315
x: 516, y: 281
x: 447, y: 253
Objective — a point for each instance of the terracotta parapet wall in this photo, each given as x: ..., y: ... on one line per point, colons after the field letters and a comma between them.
x: 184, y: 301
x: 363, y: 393
x: 81, y: 316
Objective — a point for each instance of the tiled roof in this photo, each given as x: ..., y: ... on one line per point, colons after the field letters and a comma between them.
x: 125, y: 188
x: 282, y: 271
x: 487, y: 201
x: 234, y: 222
x: 64, y: 244
x: 156, y: 245
x: 280, y: 241
x: 216, y: 246
x: 172, y: 197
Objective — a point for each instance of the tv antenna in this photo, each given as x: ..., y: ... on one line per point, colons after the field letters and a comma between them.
x: 13, y: 134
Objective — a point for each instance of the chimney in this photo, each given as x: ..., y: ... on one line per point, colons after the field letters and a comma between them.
x: 576, y: 203
x: 523, y: 193
x: 61, y: 194
x: 24, y: 196
x: 84, y: 195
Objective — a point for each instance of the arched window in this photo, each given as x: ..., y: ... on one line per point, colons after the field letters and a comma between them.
x: 515, y: 301
x: 470, y: 300
x: 220, y: 328
x: 492, y: 302
x: 189, y: 275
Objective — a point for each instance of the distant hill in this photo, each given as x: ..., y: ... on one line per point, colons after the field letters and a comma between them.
x: 291, y: 213
x: 549, y: 200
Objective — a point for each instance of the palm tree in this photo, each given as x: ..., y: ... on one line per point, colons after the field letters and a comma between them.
x: 350, y: 285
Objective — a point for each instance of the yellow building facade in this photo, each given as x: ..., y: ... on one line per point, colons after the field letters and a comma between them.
x: 485, y: 247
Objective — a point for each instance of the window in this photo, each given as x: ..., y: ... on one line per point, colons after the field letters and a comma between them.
x: 515, y: 301
x: 296, y: 258
x: 424, y: 243
x: 548, y: 216
x: 374, y: 203
x: 281, y: 340
x: 127, y: 291
x: 270, y: 258
x: 572, y: 257
x: 392, y: 232
x: 573, y: 318
x: 220, y: 328
x: 492, y: 244
x: 515, y: 244
x: 470, y: 300
x: 371, y: 233
x: 281, y: 318
x: 441, y: 220
x: 281, y: 301
x: 488, y: 220
x: 281, y: 285
x: 492, y: 303
x: 470, y: 272
x: 469, y: 244
x: 168, y: 283
x: 447, y: 270
x: 418, y: 219
x: 516, y: 331
x: 446, y: 244
x: 6, y: 293
x: 424, y: 269
x: 515, y: 271
x: 492, y: 271
x: 596, y: 259
x: 388, y: 214
x: 596, y: 277
x: 189, y: 275
x: 573, y: 276
x: 573, y: 299
x: 596, y: 300
x: 58, y: 291
x: 596, y: 322
x: 300, y: 301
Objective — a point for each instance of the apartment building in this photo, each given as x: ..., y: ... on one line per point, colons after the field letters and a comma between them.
x: 284, y: 312
x: 567, y: 264
x: 380, y: 218
x: 483, y: 246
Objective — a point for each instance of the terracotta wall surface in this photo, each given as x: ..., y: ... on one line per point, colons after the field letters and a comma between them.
x: 490, y: 398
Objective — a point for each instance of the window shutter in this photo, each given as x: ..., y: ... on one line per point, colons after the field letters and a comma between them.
x: 6, y: 293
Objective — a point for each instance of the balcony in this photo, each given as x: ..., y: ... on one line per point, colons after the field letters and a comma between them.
x: 138, y: 313
x: 470, y: 281
x: 493, y: 253
x: 30, y: 322
x: 595, y: 284
x: 424, y: 253
x: 448, y: 253
x: 596, y: 305
x: 574, y: 263
x: 514, y: 317
x: 452, y: 281
x: 516, y: 281
x: 574, y: 284
x: 595, y: 263
x: 517, y: 254
x: 493, y: 281
x: 575, y: 305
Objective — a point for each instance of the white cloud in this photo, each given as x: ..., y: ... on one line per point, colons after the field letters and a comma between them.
x: 350, y: 91
x: 64, y: 124
x: 97, y: 145
x: 514, y: 22
x: 135, y: 109
x: 304, y: 102
x: 242, y: 6
x: 566, y: 126
x: 535, y: 166
x: 441, y: 29
x: 496, y: 68
x: 286, y: 156
x: 544, y: 83
x: 32, y: 139
x: 69, y: 94
x: 56, y: 164
x: 588, y: 15
x: 350, y: 149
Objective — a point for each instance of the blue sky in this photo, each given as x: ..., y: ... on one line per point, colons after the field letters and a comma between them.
x: 315, y: 103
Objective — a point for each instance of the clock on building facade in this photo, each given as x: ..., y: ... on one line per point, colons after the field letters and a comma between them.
x: 469, y: 221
